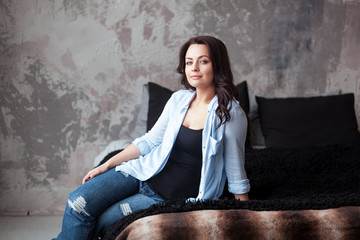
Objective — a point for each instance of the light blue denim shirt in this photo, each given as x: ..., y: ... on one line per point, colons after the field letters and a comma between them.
x: 223, y: 147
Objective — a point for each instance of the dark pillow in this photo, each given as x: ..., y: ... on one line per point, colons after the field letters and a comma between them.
x: 306, y: 122
x: 244, y: 96
x: 158, y: 96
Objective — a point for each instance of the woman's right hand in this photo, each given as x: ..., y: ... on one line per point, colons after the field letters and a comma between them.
x: 94, y: 172
x: 131, y: 152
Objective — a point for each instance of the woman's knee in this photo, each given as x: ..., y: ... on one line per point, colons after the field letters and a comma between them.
x: 78, y: 201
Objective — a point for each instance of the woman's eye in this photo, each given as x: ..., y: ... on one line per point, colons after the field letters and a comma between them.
x: 188, y: 63
x: 204, y: 62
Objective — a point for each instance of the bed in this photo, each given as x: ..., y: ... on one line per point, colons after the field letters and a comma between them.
x: 305, y: 178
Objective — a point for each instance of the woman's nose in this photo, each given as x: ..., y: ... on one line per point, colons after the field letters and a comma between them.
x: 195, y: 67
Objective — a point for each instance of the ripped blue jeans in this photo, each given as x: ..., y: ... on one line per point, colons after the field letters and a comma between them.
x: 94, y: 206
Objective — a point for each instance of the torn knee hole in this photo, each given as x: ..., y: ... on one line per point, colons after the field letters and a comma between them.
x: 125, y: 208
x: 79, y: 205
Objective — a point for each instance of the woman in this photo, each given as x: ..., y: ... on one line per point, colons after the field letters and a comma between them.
x: 197, y: 142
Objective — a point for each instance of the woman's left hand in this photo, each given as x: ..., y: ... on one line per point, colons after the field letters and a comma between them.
x: 242, y: 197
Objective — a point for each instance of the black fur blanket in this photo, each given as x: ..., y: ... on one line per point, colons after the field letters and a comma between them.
x: 283, y: 180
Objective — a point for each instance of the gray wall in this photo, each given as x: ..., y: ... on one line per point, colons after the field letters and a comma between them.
x: 72, y: 73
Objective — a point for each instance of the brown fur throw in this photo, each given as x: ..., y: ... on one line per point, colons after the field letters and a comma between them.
x: 295, y: 194
x: 339, y: 223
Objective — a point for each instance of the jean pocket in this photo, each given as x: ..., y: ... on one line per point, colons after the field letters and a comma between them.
x: 147, y: 191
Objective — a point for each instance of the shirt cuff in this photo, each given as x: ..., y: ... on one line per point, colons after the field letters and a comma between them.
x: 142, y: 146
x: 239, y: 187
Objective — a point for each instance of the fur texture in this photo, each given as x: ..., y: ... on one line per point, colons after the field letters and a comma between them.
x: 292, y: 187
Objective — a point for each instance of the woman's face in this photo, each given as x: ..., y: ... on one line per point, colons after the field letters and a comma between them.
x: 198, y: 66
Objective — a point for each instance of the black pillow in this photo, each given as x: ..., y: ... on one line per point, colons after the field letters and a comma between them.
x: 158, y: 96
x: 306, y: 122
x: 244, y: 96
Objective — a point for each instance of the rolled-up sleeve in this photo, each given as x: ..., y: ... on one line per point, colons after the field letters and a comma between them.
x: 234, y: 151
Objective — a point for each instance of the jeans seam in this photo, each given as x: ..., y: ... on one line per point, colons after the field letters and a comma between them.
x: 88, y: 231
x: 142, y: 186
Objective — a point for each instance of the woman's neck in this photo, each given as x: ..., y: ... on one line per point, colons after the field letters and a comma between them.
x: 204, y: 96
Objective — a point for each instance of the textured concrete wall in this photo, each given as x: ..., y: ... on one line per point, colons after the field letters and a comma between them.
x: 71, y: 73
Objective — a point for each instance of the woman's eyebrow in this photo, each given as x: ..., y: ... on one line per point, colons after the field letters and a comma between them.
x: 198, y: 57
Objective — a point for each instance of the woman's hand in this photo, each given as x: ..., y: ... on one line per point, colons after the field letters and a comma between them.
x: 242, y: 197
x: 131, y: 152
x: 94, y: 172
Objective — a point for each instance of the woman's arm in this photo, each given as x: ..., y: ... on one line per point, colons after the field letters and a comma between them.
x: 140, y: 146
x: 155, y: 135
x: 131, y: 152
x: 234, y: 153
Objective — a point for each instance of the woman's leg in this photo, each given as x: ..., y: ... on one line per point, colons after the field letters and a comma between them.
x: 144, y: 199
x: 91, y: 199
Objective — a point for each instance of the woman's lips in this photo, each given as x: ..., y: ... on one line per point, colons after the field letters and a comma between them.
x: 195, y: 77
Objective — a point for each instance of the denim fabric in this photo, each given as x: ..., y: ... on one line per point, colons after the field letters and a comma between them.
x: 100, y: 202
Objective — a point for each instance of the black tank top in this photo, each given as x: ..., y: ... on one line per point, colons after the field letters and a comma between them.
x: 180, y: 178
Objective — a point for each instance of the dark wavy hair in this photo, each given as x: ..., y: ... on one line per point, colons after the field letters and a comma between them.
x: 223, y: 78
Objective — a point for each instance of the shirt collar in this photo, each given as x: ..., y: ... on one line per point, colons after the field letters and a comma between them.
x: 212, y: 105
